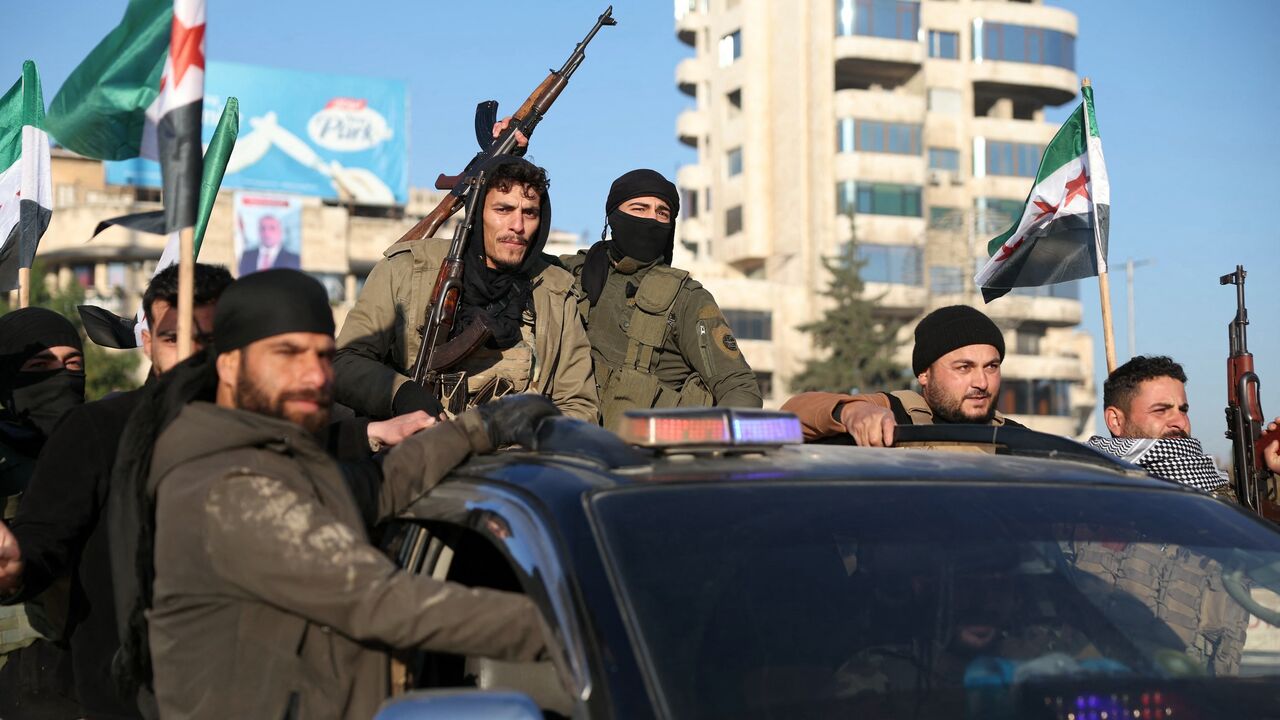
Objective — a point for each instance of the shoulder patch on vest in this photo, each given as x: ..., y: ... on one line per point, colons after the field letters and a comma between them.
x: 730, y: 342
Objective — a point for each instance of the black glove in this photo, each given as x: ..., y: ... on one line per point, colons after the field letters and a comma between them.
x: 512, y: 420
x: 412, y: 397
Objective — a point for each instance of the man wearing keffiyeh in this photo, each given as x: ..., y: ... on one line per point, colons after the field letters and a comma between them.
x: 1145, y: 408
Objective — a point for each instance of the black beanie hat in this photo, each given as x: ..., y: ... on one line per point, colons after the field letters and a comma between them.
x: 639, y: 183
x: 951, y: 328
x: 267, y: 303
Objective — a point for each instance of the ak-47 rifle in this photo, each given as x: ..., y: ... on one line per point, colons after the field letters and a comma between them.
x: 1245, y: 421
x: 432, y: 358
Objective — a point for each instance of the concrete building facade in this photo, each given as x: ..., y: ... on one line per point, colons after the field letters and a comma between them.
x: 916, y: 125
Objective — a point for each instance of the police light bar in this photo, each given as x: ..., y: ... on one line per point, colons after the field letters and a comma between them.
x: 709, y: 427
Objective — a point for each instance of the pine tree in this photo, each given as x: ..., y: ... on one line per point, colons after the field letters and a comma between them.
x: 105, y: 370
x: 856, y: 347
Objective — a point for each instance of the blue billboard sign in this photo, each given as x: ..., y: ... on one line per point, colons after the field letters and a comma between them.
x: 331, y: 136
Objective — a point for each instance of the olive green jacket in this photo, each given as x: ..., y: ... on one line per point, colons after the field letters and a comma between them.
x: 700, y: 340
x: 269, y: 600
x: 380, y: 338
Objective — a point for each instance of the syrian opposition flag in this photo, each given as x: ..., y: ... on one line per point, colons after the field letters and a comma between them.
x: 1061, y: 234
x: 140, y: 93
x: 26, y: 188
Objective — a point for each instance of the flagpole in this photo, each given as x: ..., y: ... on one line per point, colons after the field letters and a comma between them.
x: 186, y: 290
x: 24, y: 286
x: 1104, y: 285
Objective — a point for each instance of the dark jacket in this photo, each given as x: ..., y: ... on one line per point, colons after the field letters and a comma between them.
x: 268, y: 597
x: 59, y: 532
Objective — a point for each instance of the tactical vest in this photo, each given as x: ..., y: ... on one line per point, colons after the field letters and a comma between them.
x: 635, y: 384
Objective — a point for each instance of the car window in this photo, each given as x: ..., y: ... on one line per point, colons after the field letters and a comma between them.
x: 920, y: 600
x: 462, y: 555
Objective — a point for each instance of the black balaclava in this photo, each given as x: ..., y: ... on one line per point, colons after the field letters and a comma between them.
x: 255, y: 307
x: 644, y: 240
x: 37, y: 399
x: 499, y: 296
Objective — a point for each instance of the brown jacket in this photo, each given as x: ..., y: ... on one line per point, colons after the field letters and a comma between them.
x: 379, y: 339
x: 817, y: 411
x: 269, y: 600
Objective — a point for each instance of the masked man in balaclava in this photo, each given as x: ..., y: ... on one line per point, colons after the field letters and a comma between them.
x: 658, y: 339
x: 41, y: 378
x: 537, y: 343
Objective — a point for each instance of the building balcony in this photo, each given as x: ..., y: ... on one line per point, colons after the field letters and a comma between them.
x: 880, y: 105
x: 883, y: 229
x: 694, y: 177
x: 1042, y: 367
x: 1051, y: 311
x: 897, y: 299
x: 690, y: 72
x: 1007, y: 130
x: 689, y: 20
x: 1027, y: 84
x: 691, y: 126
x: 863, y: 61
x: 881, y: 167
x: 1060, y: 425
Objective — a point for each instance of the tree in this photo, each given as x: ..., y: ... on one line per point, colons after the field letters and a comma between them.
x: 857, y: 346
x: 105, y: 370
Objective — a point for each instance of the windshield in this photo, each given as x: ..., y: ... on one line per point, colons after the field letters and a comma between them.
x: 918, y: 600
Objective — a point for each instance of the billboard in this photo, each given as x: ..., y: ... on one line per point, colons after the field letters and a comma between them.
x: 267, y: 232
x: 331, y: 136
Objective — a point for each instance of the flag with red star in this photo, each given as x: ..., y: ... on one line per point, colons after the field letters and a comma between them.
x: 140, y: 93
x: 1061, y: 233
x: 26, y: 186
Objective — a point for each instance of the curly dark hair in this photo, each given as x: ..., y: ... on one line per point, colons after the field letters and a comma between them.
x: 211, y: 280
x: 1122, y: 384
x: 531, y: 176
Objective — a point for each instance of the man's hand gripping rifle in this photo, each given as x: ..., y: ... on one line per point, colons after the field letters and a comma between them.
x: 438, y: 351
x: 1245, y: 422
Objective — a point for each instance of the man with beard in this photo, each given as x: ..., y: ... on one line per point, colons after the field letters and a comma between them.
x: 264, y: 597
x: 956, y: 360
x: 537, y: 344
x: 41, y: 378
x: 1145, y: 409
x: 658, y: 339
x: 57, y: 531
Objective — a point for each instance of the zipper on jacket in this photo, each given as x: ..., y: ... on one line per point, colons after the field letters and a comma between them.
x: 704, y: 346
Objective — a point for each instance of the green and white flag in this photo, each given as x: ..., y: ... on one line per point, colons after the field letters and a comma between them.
x: 1061, y: 233
x: 26, y: 187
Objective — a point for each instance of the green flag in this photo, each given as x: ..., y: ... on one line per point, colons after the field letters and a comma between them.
x: 26, y: 187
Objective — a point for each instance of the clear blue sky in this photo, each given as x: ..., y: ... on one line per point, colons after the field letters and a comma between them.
x: 1185, y: 104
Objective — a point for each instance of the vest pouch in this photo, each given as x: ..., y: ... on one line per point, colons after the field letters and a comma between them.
x: 695, y: 393
x: 629, y: 389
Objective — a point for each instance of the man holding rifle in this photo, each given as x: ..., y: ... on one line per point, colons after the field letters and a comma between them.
x: 537, y: 342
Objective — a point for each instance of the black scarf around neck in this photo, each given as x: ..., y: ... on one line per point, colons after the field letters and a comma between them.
x: 499, y: 297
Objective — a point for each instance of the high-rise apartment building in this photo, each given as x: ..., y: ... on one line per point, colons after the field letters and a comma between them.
x: 916, y: 125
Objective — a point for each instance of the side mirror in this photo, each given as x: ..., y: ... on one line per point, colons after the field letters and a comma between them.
x: 460, y: 704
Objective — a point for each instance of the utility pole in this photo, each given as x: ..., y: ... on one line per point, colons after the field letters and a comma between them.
x: 1129, y: 265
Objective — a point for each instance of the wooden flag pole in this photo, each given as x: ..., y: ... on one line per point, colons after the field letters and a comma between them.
x: 186, y: 290
x: 1108, y: 333
x: 24, y: 287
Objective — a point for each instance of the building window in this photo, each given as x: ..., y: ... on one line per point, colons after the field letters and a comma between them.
x: 878, y: 199
x: 877, y: 136
x: 944, y: 159
x: 750, y: 324
x: 897, y: 264
x: 945, y: 45
x: 730, y: 48
x: 689, y: 202
x: 996, y: 214
x: 1027, y: 339
x: 84, y: 275
x: 944, y: 101
x: 893, y: 19
x: 335, y: 285
x: 1011, y: 159
x: 1035, y: 397
x: 733, y: 220
x: 946, y: 280
x: 945, y: 218
x: 733, y: 162
x: 765, y: 381
x: 1017, y: 43
x: 734, y: 98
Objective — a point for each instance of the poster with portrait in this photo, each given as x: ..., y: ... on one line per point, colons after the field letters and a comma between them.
x: 268, y: 232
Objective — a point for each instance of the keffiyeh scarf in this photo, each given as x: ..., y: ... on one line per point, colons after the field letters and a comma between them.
x: 1182, y: 460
